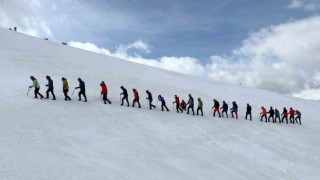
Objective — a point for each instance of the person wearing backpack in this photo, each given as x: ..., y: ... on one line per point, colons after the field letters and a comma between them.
x: 277, y: 113
x: 125, y: 96
x: 150, y: 99
x: 190, y: 104
x: 216, y: 107
x: 50, y: 88
x: 104, y: 92
x: 284, y: 115
x: 263, y: 113
x: 298, y: 117
x: 163, y: 102
x: 234, y: 110
x: 248, y: 112
x: 224, y: 108
x: 82, y: 91
x: 65, y: 89
x: 136, y: 98
x: 200, y: 104
x: 36, y: 86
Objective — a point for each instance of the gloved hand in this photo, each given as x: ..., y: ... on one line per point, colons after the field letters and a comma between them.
x: 30, y: 86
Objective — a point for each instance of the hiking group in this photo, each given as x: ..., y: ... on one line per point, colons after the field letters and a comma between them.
x: 274, y: 114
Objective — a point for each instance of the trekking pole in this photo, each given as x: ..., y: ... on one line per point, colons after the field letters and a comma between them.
x: 73, y: 91
x: 28, y: 91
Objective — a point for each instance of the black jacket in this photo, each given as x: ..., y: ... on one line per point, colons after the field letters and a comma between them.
x: 149, y: 96
x: 124, y: 92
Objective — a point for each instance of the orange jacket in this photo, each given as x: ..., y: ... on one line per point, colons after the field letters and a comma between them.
x: 264, y: 111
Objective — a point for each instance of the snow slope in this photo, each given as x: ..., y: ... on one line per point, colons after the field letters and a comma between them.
x: 45, y: 139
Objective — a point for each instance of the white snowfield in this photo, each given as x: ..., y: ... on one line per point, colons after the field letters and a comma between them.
x: 59, y: 140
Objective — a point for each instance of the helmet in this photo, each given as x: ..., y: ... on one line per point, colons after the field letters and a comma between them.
x: 121, y: 87
x: 31, y: 77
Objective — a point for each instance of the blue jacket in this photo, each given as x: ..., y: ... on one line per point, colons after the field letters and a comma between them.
x: 160, y: 98
x: 234, y: 108
x: 82, y: 86
x: 224, y: 107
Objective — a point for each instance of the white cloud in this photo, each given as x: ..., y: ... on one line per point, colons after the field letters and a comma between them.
x: 139, y: 44
x: 308, y: 6
x: 295, y: 4
x: 283, y: 58
x: 313, y: 94
x: 90, y: 47
x: 22, y: 15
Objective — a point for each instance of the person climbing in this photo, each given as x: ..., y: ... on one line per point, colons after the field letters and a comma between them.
x: 177, y: 101
x: 277, y: 115
x: 284, y: 115
x: 216, y: 107
x: 248, y: 112
x: 263, y: 113
x: 291, y: 113
x: 163, y: 102
x: 65, y: 89
x: 234, y: 109
x: 136, y: 98
x: 190, y: 104
x: 271, y: 114
x: 36, y: 87
x: 200, y: 104
x: 298, y: 113
x: 82, y: 91
x: 183, y: 105
x: 150, y: 99
x: 104, y: 93
x: 50, y: 88
x: 125, y: 96
x: 224, y: 108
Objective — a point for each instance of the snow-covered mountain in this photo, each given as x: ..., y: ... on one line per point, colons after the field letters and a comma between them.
x: 45, y: 139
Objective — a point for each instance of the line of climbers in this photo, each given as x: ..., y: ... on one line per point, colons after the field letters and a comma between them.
x: 180, y: 106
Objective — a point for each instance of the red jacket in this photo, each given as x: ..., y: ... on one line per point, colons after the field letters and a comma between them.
x: 104, y: 89
x: 291, y: 112
x: 136, y: 94
x: 177, y: 100
x: 264, y: 111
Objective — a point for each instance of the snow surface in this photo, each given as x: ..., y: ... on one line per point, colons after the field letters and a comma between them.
x: 45, y: 139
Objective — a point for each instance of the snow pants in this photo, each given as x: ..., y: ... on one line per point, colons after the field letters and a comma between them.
x: 136, y: 101
x: 163, y: 104
x: 284, y: 117
x: 216, y: 110
x: 66, y: 97
x: 84, y: 95
x: 199, y: 109
x: 264, y: 116
x: 105, y: 99
x: 190, y: 107
x: 224, y: 111
x: 124, y: 98
x: 50, y: 90
x: 249, y: 114
x: 36, y: 93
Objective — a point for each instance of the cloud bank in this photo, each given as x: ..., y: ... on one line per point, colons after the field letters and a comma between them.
x: 283, y: 58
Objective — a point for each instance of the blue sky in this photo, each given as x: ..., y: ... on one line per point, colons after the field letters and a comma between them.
x: 172, y: 28
x: 268, y: 44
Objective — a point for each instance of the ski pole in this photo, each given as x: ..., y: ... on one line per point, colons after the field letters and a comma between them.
x: 120, y: 98
x: 73, y: 91
x: 28, y: 91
